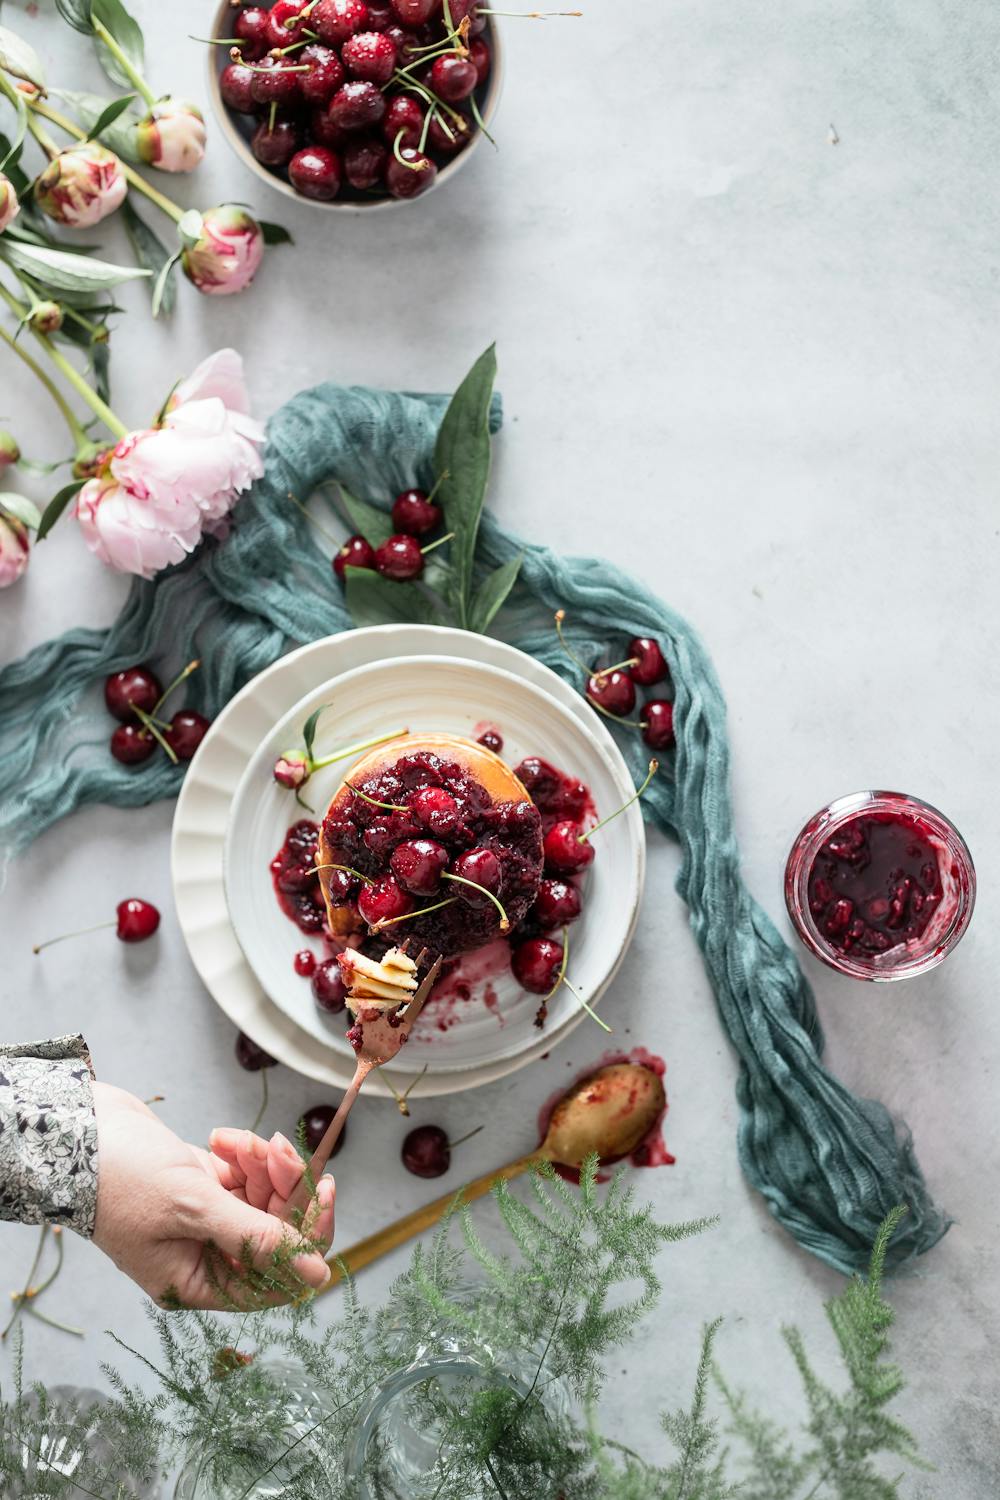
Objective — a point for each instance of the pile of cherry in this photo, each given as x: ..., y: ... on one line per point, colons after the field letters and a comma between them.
x: 135, y: 698
x: 358, y: 98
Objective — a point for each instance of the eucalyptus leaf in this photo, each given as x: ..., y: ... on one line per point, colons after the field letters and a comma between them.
x: 374, y: 600
x: 368, y: 521
x: 150, y: 252
x: 120, y: 136
x: 275, y: 234
x: 127, y: 33
x: 309, y: 727
x: 163, y: 285
x: 62, y: 270
x: 22, y: 508
x: 20, y: 59
x: 56, y: 506
x: 462, y: 462
x: 492, y: 592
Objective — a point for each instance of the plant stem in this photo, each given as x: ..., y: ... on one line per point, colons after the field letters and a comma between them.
x: 43, y: 138
x: 133, y: 75
x: 165, y: 204
x: 79, y: 436
x: 182, y: 676
x: 588, y: 1008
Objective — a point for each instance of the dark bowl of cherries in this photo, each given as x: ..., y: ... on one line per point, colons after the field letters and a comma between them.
x: 354, y: 103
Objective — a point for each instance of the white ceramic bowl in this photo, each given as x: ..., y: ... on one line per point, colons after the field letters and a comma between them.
x: 424, y: 693
x: 237, y: 130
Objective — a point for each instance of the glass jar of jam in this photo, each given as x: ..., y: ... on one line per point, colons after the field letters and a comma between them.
x: 880, y: 885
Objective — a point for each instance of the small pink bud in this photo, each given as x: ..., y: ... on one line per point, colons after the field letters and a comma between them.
x: 81, y: 186
x: 9, y: 206
x: 292, y: 769
x: 10, y: 453
x: 172, y: 136
x: 227, y: 253
x: 14, y: 548
x: 46, y: 317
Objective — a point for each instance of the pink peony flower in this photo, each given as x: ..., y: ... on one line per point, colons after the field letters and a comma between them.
x: 227, y: 253
x: 161, y: 489
x: 292, y: 769
x: 14, y: 548
x: 9, y: 206
x: 172, y: 136
x: 81, y: 186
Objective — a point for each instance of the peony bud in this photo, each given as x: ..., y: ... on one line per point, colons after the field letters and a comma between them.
x: 14, y: 548
x: 172, y: 136
x: 81, y: 186
x: 227, y: 252
x: 292, y: 769
x: 46, y: 317
x: 10, y: 453
x: 9, y: 206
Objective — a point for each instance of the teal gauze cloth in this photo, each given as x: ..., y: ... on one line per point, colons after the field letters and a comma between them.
x: 830, y: 1166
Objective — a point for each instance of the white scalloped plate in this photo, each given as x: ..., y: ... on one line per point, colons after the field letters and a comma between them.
x: 287, y: 1028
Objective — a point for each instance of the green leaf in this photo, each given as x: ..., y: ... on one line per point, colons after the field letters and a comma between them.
x: 462, y: 452
x: 10, y: 150
x: 492, y: 592
x: 56, y: 506
x: 10, y: 154
x: 275, y: 234
x: 127, y: 33
x: 163, y: 285
x: 368, y: 521
x: 374, y: 600
x: 76, y: 13
x: 64, y: 271
x: 150, y: 252
x: 309, y: 727
x: 20, y: 59
x: 119, y: 136
x: 20, y: 506
x: 110, y: 113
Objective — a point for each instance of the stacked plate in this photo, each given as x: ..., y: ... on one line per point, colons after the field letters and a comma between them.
x: 232, y: 818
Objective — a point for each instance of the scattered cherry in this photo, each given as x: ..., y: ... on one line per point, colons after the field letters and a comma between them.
x: 355, y: 553
x: 370, y: 56
x: 452, y: 77
x: 329, y: 990
x: 252, y: 1057
x: 418, y: 864
x: 411, y: 176
x: 131, y: 744
x: 315, y: 172
x: 612, y: 691
x: 426, y: 1151
x: 536, y: 964
x: 414, y: 514
x: 565, y: 851
x: 492, y: 739
x: 187, y: 730
x: 658, y: 724
x: 304, y: 963
x: 135, y: 687
x: 557, y: 904
x: 400, y: 558
x: 383, y: 900
x: 650, y: 663
x: 315, y: 1123
x: 137, y: 920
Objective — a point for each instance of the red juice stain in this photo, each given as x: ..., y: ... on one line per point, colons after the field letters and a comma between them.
x: 651, y: 1150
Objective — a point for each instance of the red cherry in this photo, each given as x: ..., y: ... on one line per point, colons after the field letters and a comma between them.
x: 135, y: 687
x: 536, y: 964
x: 483, y: 868
x: 411, y: 176
x: 612, y: 691
x: 275, y: 81
x: 565, y: 853
x: 137, y: 920
x: 364, y: 163
x: 315, y: 1123
x: 453, y: 78
x: 492, y: 739
x: 418, y: 864
x: 449, y: 134
x: 337, y: 20
x: 325, y: 76
x: 323, y: 131
x: 370, y: 55
x: 275, y: 145
x: 436, y: 809
x: 187, y: 730
x: 315, y: 173
x: 651, y: 665
x: 403, y: 114
x: 400, y: 557
x: 356, y: 106
x: 250, y: 29
x: 415, y: 12
x: 414, y: 514
x: 380, y: 15
x: 252, y: 1057
x: 557, y: 904
x: 658, y: 724
x: 383, y: 900
x: 131, y: 744
x: 355, y: 553
x: 329, y: 990
x: 426, y: 1151
x: 283, y: 23
x: 304, y: 963
x: 480, y: 58
x: 234, y: 86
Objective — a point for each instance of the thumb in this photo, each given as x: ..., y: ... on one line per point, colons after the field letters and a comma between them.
x: 236, y: 1229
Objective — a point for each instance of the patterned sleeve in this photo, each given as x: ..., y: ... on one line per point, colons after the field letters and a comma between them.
x: 48, y: 1134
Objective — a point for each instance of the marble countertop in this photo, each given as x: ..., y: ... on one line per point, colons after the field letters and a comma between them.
x: 741, y: 269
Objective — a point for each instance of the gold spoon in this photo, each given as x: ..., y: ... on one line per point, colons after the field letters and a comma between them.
x: 609, y: 1112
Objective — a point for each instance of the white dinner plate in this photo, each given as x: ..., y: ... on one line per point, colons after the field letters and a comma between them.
x: 203, y: 812
x: 432, y: 694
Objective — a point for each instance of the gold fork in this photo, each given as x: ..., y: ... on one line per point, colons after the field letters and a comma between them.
x: 381, y: 1040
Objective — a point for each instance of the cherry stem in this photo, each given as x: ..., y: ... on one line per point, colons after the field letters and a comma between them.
x: 654, y: 766
x: 591, y: 1012
x: 428, y: 95
x: 466, y: 1137
x: 311, y: 518
x: 263, y: 1102
x: 562, y: 968
x: 631, y: 661
x: 397, y: 151
x: 409, y: 915
x: 148, y: 722
x: 80, y: 932
x: 401, y: 1098
x: 365, y: 879
x: 477, y: 116
x: 132, y: 73
x: 182, y: 676
x: 526, y: 15
x: 445, y: 474
x: 564, y: 643
x: 20, y: 1298
x: 629, y: 723
x: 397, y: 734
x: 431, y: 545
x: 474, y: 885
x: 389, y: 806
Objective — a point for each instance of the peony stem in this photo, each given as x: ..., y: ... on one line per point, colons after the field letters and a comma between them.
x: 100, y: 408
x: 165, y: 204
x: 43, y: 138
x: 133, y: 75
x: 79, y: 436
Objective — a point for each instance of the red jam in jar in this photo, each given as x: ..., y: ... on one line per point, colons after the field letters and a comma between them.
x: 880, y: 885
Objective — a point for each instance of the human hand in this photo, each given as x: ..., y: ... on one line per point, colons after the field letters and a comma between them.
x: 162, y: 1205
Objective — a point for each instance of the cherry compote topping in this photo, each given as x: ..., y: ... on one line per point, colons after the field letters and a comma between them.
x: 874, y: 883
x: 295, y: 883
x: 315, y: 1123
x: 492, y: 739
